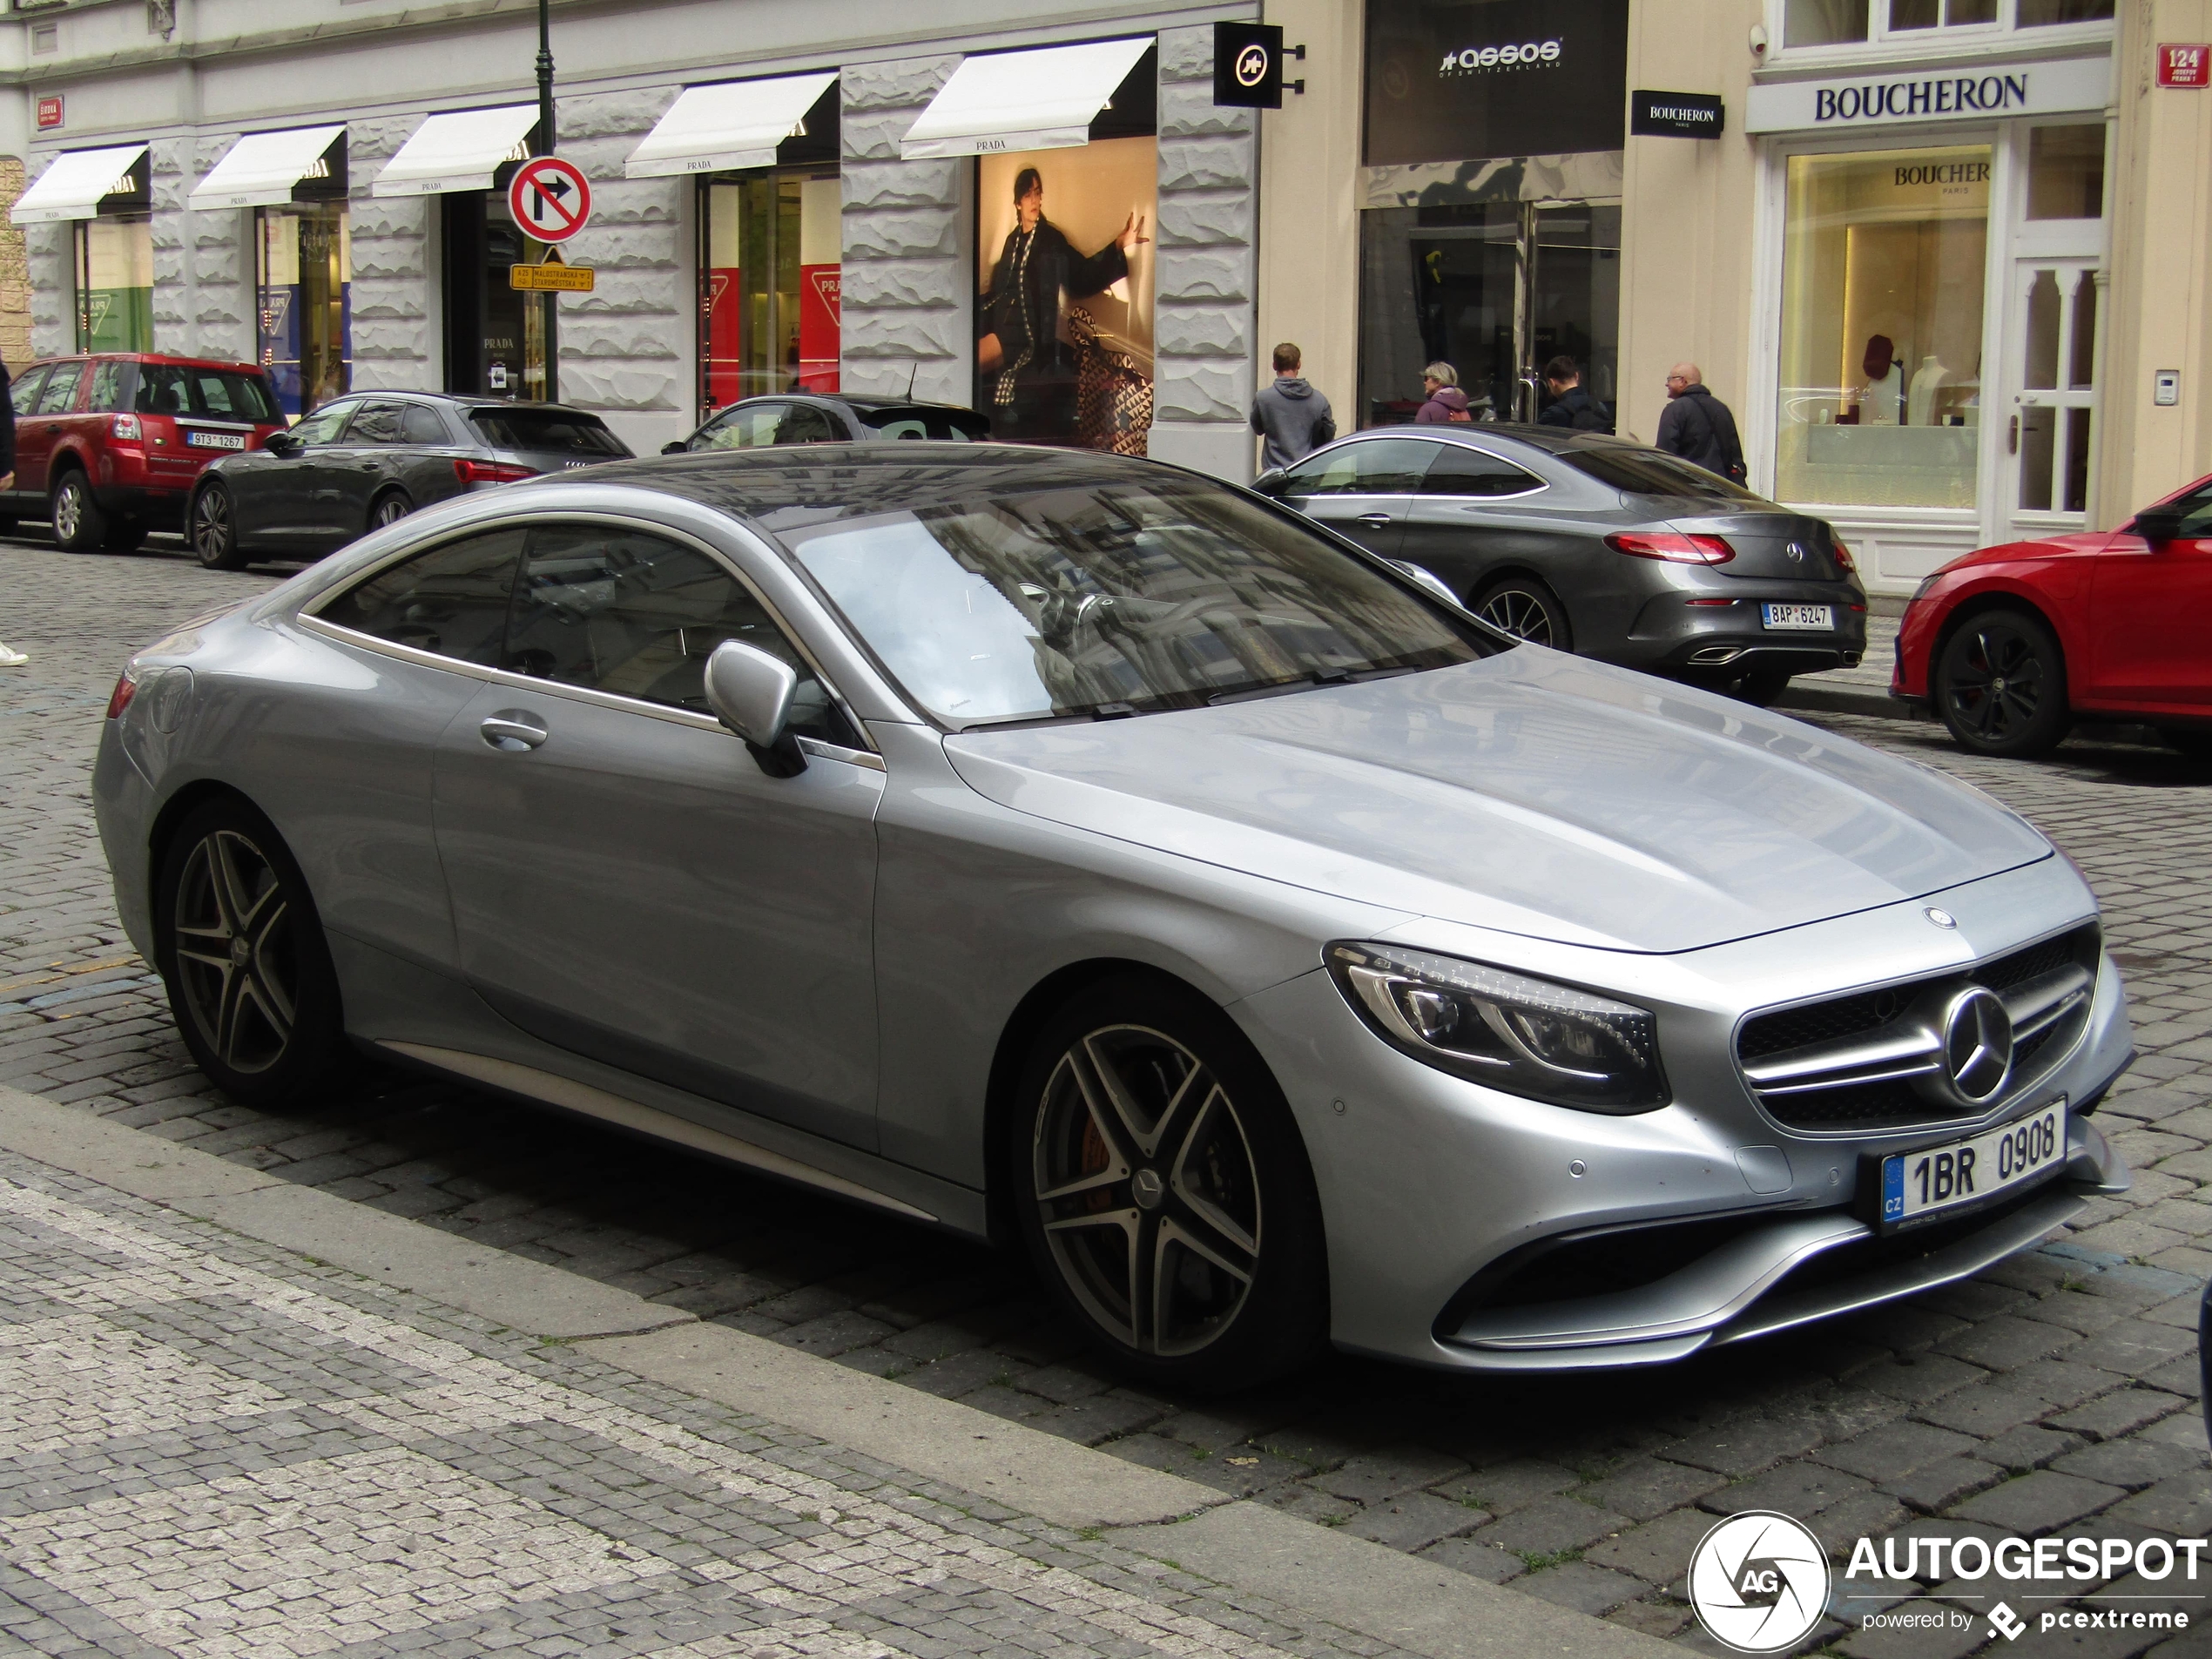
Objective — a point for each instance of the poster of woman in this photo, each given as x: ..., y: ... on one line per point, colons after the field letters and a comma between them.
x: 1064, y: 320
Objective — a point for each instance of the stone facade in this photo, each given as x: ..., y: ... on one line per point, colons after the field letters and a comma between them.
x: 627, y: 346
x: 52, y: 291
x: 908, y: 274
x: 1204, y: 273
x: 15, y: 273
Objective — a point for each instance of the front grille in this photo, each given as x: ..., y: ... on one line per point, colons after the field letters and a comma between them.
x: 1849, y: 1062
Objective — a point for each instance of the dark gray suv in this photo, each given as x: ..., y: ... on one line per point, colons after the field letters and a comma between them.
x: 1599, y: 546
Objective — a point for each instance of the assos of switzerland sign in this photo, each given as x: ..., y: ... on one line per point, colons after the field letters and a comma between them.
x: 1966, y: 93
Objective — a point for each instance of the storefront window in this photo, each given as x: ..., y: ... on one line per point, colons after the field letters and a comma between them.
x: 2066, y: 172
x: 305, y: 302
x: 1836, y: 23
x: 1063, y: 306
x: 2038, y: 14
x: 494, y: 333
x: 1885, y: 267
x: 115, y: 284
x: 769, y: 271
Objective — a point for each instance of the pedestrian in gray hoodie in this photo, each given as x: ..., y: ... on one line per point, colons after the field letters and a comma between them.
x: 1292, y: 418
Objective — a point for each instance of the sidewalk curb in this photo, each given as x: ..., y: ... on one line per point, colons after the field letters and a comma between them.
x: 1846, y: 699
x: 1363, y: 1586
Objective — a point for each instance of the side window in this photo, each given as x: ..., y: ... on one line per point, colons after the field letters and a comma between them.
x: 23, y: 395
x: 420, y: 425
x: 322, y: 427
x: 376, y: 423
x: 60, y: 396
x: 622, y: 611
x: 749, y: 426
x: 1459, y: 470
x: 452, y: 600
x: 107, y: 386
x: 1379, y: 467
x: 804, y: 423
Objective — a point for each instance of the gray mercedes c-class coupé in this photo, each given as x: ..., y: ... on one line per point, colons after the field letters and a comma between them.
x: 1074, y: 848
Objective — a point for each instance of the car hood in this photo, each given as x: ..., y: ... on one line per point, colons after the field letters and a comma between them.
x: 1529, y: 792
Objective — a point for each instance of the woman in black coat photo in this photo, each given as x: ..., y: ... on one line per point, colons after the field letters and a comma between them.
x: 1026, y: 372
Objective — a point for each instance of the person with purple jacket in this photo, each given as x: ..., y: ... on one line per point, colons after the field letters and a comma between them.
x: 1446, y: 401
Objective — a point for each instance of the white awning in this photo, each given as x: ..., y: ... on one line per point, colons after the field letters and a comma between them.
x: 262, y: 168
x: 72, y: 187
x: 1044, y: 99
x: 736, y: 124
x: 460, y: 150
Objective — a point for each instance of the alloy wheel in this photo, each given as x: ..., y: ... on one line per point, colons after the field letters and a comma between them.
x: 1996, y: 686
x: 68, y: 511
x: 1147, y: 1189
x: 210, y: 526
x: 239, y: 978
x: 1514, y: 612
x: 390, y: 510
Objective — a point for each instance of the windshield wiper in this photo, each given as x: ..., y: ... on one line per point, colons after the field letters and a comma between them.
x: 1306, y: 682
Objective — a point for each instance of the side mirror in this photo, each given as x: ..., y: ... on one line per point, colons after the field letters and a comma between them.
x: 282, y: 443
x: 2157, y: 524
x: 1270, y: 483
x: 750, y: 692
x: 679, y: 447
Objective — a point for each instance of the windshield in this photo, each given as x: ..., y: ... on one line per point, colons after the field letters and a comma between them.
x: 1652, y: 472
x: 222, y: 393
x: 1114, y: 598
x: 955, y: 424
x: 557, y: 430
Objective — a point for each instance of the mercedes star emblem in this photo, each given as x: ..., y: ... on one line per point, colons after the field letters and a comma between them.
x: 1977, y: 1045
x: 1796, y: 550
x: 1941, y: 918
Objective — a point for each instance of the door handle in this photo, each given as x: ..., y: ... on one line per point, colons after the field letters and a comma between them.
x: 2013, y: 436
x: 511, y: 730
x: 1374, y: 521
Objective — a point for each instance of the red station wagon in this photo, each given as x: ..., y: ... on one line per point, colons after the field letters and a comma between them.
x: 2011, y: 643
x: 107, y: 447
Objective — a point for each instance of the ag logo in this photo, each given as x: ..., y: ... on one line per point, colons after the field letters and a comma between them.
x: 1251, y: 65
x: 1759, y: 1581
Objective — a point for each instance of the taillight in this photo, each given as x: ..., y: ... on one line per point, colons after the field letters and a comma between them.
x: 1843, y: 562
x: 490, y: 472
x: 126, y: 687
x: 126, y: 427
x: 1674, y: 547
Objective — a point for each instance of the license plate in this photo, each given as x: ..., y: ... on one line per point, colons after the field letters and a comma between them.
x: 215, y: 440
x: 1921, y: 1185
x: 1821, y: 616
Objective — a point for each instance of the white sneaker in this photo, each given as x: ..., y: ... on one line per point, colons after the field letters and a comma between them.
x: 11, y: 659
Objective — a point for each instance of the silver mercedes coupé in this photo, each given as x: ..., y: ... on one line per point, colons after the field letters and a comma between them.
x: 1077, y: 848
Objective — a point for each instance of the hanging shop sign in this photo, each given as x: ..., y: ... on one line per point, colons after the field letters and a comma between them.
x: 1675, y: 115
x: 1969, y: 93
x: 1248, y: 65
x: 551, y: 199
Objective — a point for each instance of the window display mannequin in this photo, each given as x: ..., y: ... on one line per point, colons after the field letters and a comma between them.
x: 1882, y: 400
x: 1927, y: 381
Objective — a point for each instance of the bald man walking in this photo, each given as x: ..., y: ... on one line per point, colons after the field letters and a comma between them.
x: 1696, y: 426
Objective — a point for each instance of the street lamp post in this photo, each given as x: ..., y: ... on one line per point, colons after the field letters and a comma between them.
x: 549, y: 321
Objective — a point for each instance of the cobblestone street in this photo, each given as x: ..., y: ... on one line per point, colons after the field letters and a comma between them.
x: 2060, y: 1386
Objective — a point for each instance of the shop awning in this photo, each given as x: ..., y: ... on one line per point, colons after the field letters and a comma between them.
x: 1044, y: 99
x: 459, y: 150
x: 262, y: 169
x: 74, y: 186
x: 736, y: 124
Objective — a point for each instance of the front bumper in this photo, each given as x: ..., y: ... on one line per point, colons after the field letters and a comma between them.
x: 1435, y: 1188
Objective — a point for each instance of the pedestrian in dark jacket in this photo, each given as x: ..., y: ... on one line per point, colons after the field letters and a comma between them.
x: 1292, y: 418
x: 1445, y: 402
x: 1696, y: 426
x: 1571, y: 406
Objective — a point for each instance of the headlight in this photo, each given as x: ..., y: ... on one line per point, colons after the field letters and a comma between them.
x: 1526, y: 1036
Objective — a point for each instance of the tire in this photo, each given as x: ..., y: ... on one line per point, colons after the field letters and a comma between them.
x: 390, y: 508
x: 79, y: 525
x: 2000, y: 685
x: 1213, y: 1189
x: 125, y: 536
x: 2195, y: 741
x: 242, y: 949
x: 1525, y: 608
x: 211, y: 529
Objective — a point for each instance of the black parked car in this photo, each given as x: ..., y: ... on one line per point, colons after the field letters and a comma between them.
x: 363, y: 461
x: 1593, y: 545
x: 757, y: 422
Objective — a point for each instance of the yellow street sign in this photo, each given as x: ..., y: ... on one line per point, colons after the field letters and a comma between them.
x: 551, y: 278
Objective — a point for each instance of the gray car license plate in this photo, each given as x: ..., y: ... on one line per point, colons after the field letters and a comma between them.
x: 215, y: 440
x: 1923, y: 1184
x: 1818, y: 616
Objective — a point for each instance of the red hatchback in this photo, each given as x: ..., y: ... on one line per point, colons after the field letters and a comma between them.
x: 107, y: 447
x: 2011, y: 643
